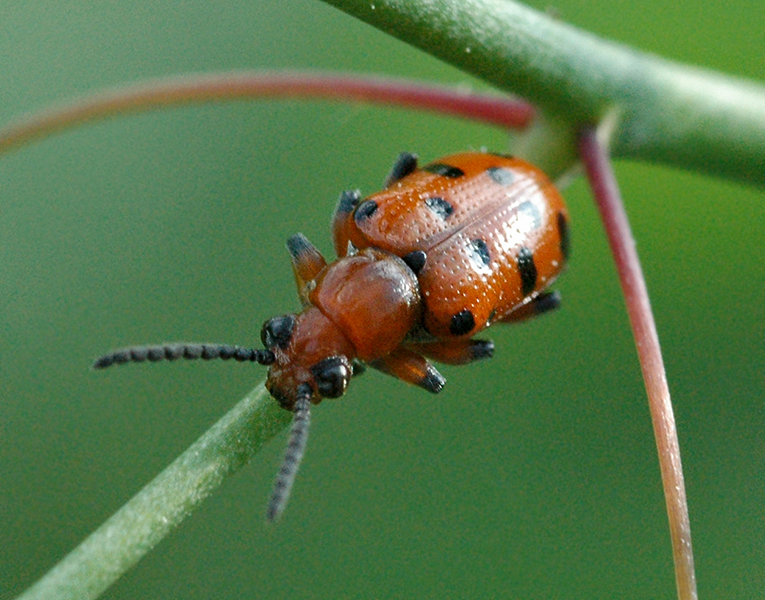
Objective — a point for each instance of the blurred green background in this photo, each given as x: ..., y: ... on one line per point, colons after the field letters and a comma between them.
x: 531, y: 476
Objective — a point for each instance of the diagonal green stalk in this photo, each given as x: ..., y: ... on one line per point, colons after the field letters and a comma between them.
x: 667, y: 113
x: 116, y: 546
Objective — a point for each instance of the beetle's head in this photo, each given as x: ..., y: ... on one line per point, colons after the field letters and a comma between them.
x: 309, y: 351
x: 309, y: 358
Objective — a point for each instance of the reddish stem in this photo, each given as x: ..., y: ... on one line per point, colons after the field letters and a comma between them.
x: 487, y: 108
x: 609, y: 202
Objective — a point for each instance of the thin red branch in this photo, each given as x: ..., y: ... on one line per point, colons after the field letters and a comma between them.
x: 609, y: 201
x: 491, y: 109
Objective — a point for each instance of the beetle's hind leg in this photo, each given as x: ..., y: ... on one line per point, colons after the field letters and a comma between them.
x: 455, y: 352
x: 544, y: 303
x: 412, y: 368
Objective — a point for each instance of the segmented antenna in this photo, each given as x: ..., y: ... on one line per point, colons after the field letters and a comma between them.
x: 298, y: 438
x: 186, y: 351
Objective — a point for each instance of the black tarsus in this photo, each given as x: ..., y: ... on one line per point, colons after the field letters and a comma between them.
x: 298, y: 245
x: 547, y: 301
x: 480, y: 349
x: 349, y: 200
x: 433, y: 381
x: 405, y: 163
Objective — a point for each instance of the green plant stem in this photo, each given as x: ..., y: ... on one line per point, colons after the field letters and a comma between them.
x: 666, y: 112
x: 158, y: 508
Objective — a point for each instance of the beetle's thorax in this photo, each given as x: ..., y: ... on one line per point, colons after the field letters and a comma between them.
x: 374, y: 298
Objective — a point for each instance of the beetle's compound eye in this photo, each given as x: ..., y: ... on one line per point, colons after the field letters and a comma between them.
x: 332, y: 376
x: 277, y: 332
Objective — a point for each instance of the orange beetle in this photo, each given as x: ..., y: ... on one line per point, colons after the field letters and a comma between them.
x: 440, y: 254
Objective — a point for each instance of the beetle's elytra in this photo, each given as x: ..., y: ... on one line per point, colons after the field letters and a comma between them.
x: 443, y: 252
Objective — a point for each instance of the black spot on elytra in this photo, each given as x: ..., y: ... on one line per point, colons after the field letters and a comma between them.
x: 445, y: 170
x: 527, y: 269
x: 415, y: 260
x: 479, y: 253
x: 501, y: 175
x: 439, y: 206
x: 565, y: 241
x: 462, y: 323
x: 365, y: 210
